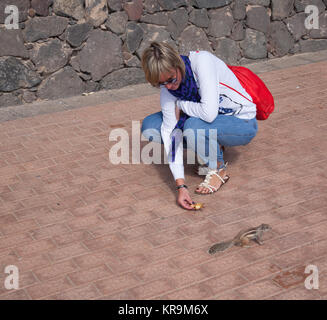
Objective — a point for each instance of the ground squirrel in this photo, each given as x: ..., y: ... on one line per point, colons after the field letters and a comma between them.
x: 241, y: 239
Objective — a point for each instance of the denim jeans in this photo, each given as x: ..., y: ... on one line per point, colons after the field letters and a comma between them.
x: 223, y: 131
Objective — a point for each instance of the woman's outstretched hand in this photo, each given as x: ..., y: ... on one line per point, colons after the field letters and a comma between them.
x: 184, y: 199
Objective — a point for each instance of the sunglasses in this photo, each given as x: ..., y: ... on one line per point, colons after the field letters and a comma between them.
x: 173, y: 81
x: 168, y: 81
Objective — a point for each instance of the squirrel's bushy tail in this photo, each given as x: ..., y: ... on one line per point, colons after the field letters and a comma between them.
x: 221, y: 246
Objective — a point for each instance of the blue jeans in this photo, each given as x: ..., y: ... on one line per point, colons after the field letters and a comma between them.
x: 223, y: 131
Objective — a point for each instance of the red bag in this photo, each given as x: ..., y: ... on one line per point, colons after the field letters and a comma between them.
x: 256, y: 88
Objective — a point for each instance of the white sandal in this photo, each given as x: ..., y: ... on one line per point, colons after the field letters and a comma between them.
x: 206, y: 184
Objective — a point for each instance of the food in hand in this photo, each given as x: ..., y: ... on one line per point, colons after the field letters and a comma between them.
x: 197, y: 206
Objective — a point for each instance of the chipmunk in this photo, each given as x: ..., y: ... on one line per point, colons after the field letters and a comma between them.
x: 242, y: 239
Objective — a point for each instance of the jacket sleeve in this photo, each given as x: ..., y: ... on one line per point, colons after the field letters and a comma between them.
x: 204, y: 67
x: 167, y: 102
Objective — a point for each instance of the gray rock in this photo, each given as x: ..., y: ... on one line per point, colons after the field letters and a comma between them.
x: 254, y: 44
x: 50, y: 56
x: 22, y: 5
x: 159, y: 18
x: 41, y: 7
x: 134, y: 36
x: 238, y: 31
x: 228, y: 51
x: 301, y: 4
x: 123, y: 77
x: 320, y: 33
x: 117, y: 22
x: 130, y: 60
x: 257, y: 18
x: 85, y: 76
x: 69, y: 8
x: 265, y: 3
x: 281, y: 8
x: 42, y: 28
x: 279, y: 39
x: 209, y: 4
x: 177, y: 22
x: 64, y: 83
x: 239, y: 10
x: 28, y: 96
x: 295, y: 49
x: 77, y: 34
x: 114, y: 5
x: 221, y: 22
x: 134, y: 9
x: 191, y: 39
x: 14, y: 75
x: 199, y: 17
x: 101, y: 54
x: 296, y: 25
x: 171, y: 4
x: 151, y: 6
x: 313, y: 45
x: 74, y: 62
x: 91, y: 86
x: 13, y: 43
x: 9, y: 99
x: 96, y: 11
x: 153, y: 33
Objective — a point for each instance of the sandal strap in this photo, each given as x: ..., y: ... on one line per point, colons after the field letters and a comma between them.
x: 221, y: 179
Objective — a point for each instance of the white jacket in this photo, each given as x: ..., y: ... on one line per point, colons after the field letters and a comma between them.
x: 214, y: 80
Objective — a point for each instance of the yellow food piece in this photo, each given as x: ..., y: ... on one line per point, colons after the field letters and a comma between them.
x: 197, y: 206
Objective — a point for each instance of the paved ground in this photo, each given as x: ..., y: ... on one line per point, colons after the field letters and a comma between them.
x: 79, y: 227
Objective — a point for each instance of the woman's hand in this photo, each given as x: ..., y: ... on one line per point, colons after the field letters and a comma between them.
x: 177, y: 112
x: 184, y: 199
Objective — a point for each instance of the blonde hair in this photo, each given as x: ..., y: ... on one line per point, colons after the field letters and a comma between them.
x: 158, y: 58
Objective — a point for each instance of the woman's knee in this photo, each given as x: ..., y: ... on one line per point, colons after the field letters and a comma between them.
x: 191, y: 123
x: 151, y: 126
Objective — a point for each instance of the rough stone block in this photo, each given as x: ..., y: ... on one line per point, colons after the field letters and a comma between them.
x: 69, y: 8
x: 254, y: 45
x: 191, y: 39
x: 134, y: 36
x: 177, y: 22
x: 63, y: 83
x: 50, y: 56
x: 295, y: 25
x: 42, y: 28
x: 220, y: 22
x: 77, y: 34
x: 228, y: 51
x: 101, y: 54
x: 199, y: 17
x: 281, y: 8
x: 210, y: 4
x: 15, y: 75
x: 12, y: 43
x: 257, y: 18
x: 117, y: 22
x: 239, y: 10
x: 279, y: 38
x: 123, y: 77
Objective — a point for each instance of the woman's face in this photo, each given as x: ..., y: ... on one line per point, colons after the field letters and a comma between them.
x: 171, y: 79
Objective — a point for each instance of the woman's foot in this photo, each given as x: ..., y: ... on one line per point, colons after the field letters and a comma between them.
x: 213, y: 181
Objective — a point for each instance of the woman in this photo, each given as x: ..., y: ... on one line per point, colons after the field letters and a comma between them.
x: 200, y: 95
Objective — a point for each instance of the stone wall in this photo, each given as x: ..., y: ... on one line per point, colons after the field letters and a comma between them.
x: 67, y: 47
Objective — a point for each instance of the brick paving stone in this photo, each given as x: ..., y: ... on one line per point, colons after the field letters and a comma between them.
x: 80, y: 227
